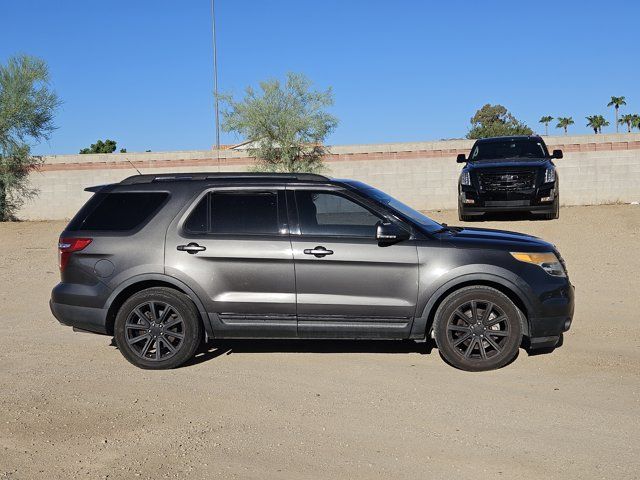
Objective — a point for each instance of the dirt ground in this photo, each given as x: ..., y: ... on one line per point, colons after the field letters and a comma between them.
x: 71, y: 406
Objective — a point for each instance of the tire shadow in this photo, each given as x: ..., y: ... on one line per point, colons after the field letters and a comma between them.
x: 217, y: 348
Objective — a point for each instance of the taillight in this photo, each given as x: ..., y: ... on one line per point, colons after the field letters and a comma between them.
x: 66, y: 246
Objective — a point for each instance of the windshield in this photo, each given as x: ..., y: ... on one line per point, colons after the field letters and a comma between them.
x: 399, y: 207
x: 509, y: 148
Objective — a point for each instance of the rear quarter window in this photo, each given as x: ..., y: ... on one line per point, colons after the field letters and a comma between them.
x: 118, y: 212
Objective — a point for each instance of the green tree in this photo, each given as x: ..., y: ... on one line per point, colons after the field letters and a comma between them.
x: 108, y: 146
x: 285, y: 124
x: 564, y: 122
x: 627, y: 120
x: 27, y: 107
x: 597, y: 122
x: 496, y: 121
x: 547, y: 119
x: 616, y: 102
x: 635, y: 123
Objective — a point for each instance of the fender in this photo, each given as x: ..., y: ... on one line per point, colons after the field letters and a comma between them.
x: 165, y: 279
x: 421, y: 323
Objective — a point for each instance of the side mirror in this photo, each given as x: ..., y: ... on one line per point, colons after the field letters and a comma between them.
x: 462, y: 158
x: 389, y: 233
x: 557, y: 154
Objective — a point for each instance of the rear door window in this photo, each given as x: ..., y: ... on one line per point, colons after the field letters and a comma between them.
x: 236, y: 212
x: 118, y: 212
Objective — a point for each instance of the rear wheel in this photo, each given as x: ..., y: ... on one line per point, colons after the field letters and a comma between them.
x: 158, y: 328
x: 478, y: 328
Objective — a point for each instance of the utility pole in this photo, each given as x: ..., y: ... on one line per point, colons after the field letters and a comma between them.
x: 215, y: 78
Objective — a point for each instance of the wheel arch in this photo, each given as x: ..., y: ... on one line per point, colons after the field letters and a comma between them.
x: 424, y: 323
x: 142, y: 282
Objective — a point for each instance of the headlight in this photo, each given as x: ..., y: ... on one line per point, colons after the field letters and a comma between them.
x: 465, y: 178
x: 550, y: 175
x: 547, y: 261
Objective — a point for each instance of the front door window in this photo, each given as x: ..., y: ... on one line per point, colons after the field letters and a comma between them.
x: 327, y: 213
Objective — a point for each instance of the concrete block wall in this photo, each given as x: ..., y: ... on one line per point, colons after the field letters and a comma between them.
x: 596, y: 169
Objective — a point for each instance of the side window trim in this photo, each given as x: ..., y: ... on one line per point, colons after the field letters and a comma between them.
x: 292, y: 212
x: 206, y: 195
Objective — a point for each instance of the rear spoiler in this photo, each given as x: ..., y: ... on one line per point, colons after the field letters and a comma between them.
x: 97, y: 188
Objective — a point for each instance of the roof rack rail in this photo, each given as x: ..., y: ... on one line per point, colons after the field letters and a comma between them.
x: 176, y: 177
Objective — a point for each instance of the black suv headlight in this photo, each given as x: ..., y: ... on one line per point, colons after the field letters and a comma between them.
x: 548, y: 261
x: 465, y: 178
x: 550, y: 175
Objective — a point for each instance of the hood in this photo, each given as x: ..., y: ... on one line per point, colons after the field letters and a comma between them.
x: 497, y: 239
x: 508, y: 163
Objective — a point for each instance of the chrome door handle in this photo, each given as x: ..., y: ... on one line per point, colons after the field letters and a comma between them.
x: 191, y: 248
x: 318, y: 252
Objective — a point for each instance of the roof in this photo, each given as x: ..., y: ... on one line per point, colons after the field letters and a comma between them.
x: 537, y: 138
x: 232, y: 176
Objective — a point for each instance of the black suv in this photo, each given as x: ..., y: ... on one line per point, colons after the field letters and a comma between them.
x: 507, y: 174
x: 163, y: 262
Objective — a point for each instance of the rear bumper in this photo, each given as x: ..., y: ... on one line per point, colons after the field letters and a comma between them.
x: 83, y: 318
x: 80, y: 306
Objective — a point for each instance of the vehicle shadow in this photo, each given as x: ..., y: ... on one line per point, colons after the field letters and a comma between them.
x: 218, y: 348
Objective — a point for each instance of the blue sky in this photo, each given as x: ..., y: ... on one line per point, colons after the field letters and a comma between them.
x: 140, y: 72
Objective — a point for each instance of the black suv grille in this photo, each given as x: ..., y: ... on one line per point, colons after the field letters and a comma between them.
x: 507, y: 180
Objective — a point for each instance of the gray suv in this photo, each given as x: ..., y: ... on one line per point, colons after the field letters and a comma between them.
x: 165, y: 262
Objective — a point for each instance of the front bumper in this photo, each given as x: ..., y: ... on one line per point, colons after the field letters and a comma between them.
x: 476, y: 202
x: 553, y: 318
x: 507, y: 207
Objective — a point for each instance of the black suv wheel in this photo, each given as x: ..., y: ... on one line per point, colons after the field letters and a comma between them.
x: 158, y: 328
x: 463, y: 217
x: 478, y: 328
x: 555, y: 214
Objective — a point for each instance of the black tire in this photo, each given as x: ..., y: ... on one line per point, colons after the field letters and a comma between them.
x: 479, y: 341
x: 555, y: 214
x: 158, y: 328
x: 462, y: 217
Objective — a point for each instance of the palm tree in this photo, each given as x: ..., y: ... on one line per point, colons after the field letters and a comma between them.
x: 616, y: 102
x: 635, y: 123
x: 564, y: 122
x: 546, y: 120
x: 597, y: 122
x: 627, y: 120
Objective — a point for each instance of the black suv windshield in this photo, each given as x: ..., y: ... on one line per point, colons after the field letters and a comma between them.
x: 509, y: 148
x: 404, y: 210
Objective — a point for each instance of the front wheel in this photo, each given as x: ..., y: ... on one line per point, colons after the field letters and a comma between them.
x: 464, y: 217
x: 158, y: 328
x: 478, y: 328
x: 555, y: 213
